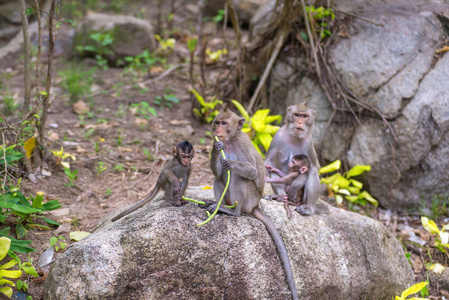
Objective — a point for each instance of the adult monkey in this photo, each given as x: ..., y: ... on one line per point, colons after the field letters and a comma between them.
x: 177, y: 168
x: 294, y: 138
x: 246, y: 181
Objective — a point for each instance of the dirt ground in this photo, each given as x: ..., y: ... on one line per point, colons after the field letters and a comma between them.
x: 114, y: 136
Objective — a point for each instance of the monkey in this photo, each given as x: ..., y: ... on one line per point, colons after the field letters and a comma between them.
x: 246, y: 179
x: 298, y: 174
x: 295, y: 137
x: 177, y: 168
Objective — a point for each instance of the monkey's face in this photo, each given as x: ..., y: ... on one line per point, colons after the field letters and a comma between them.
x: 299, y: 122
x: 185, y: 158
x: 297, y: 166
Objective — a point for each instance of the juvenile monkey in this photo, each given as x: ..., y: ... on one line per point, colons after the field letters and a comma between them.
x: 298, y: 174
x: 293, y: 138
x: 177, y: 168
x: 246, y: 181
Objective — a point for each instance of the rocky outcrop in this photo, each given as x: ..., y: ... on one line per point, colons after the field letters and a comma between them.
x: 130, y: 36
x: 245, y: 9
x: 389, y: 62
x: 158, y: 252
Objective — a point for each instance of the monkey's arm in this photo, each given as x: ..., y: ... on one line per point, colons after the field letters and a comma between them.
x: 287, y: 179
x: 244, y: 169
x: 185, y: 181
x: 296, y: 188
x: 277, y: 171
x: 170, y: 176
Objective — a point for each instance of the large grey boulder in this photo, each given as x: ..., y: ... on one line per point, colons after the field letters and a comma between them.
x: 245, y: 9
x: 391, y: 65
x: 158, y: 252
x: 131, y: 36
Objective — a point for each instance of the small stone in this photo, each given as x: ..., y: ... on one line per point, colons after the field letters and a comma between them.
x: 53, y: 125
x: 80, y: 108
x: 65, y: 228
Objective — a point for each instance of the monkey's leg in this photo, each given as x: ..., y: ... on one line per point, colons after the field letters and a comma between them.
x: 305, y: 210
x: 171, y: 195
x: 230, y: 197
x: 278, y: 188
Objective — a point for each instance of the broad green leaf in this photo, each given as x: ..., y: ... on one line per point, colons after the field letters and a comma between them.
x: 356, y: 183
x: 413, y: 289
x: 332, y: 167
x: 51, y: 222
x: 30, y: 271
x: 53, y: 241
x: 24, y: 209
x: 365, y: 195
x: 258, y: 125
x: 198, y: 97
x: 5, y: 281
x: 5, y: 244
x: 21, y: 231
x: 246, y: 129
x: 241, y: 109
x: 271, y: 129
x: 191, y: 44
x: 18, y: 248
x: 260, y: 115
x: 37, y: 201
x: 10, y: 273
x: 7, y: 291
x: 351, y: 198
x: 354, y: 190
x: 265, y: 140
x: 9, y: 264
x: 429, y: 225
x: 357, y: 170
x: 51, y: 205
x: 271, y: 119
x: 78, y: 235
x: 341, y: 182
x: 330, y: 179
x: 19, y: 284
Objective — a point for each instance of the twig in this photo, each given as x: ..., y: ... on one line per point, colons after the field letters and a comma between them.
x: 27, y: 68
x: 311, y: 38
x: 358, y: 17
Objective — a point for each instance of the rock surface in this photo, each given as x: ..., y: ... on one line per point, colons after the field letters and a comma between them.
x: 158, y: 252
x: 131, y: 36
x: 390, y: 65
x: 245, y: 8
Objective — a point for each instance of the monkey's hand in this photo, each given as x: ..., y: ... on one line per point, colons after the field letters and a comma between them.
x: 218, y: 145
x: 206, y: 204
x: 226, y: 164
x: 304, y: 210
x: 269, y: 168
x: 176, y: 188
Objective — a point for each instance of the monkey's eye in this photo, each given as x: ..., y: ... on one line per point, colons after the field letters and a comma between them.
x: 305, y: 116
x: 297, y: 115
x: 224, y: 123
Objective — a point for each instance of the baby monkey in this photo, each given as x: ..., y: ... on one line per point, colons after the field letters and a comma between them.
x: 294, y: 181
x: 177, y: 168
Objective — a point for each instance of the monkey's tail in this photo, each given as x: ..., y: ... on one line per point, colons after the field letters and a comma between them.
x: 277, y: 239
x: 138, y: 204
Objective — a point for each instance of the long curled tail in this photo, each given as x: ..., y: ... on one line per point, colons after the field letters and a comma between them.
x: 138, y: 204
x: 277, y: 239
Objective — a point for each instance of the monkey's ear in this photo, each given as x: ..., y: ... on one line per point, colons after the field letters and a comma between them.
x: 174, y: 151
x: 313, y: 112
x: 241, y: 123
x: 303, y: 170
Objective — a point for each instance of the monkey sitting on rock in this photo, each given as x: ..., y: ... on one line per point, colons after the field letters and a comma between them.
x: 295, y: 137
x: 177, y: 168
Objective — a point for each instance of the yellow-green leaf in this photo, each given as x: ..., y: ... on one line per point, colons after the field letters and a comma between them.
x: 354, y: 190
x: 241, y: 109
x: 413, y: 289
x: 30, y: 271
x: 344, y: 192
x: 257, y: 148
x: 7, y: 291
x: 332, y: 167
x: 260, y: 114
x: 10, y: 273
x: 258, y: 125
x: 78, y: 235
x: 356, y: 183
x: 351, y: 198
x: 429, y: 225
x: 5, y: 281
x: 330, y: 179
x: 198, y: 97
x: 65, y: 165
x: 341, y: 182
x: 265, y: 140
x: 365, y: 195
x: 246, y: 129
x: 29, y: 145
x: 207, y: 188
x: 271, y: 119
x: 357, y: 170
x: 9, y: 264
x: 5, y: 243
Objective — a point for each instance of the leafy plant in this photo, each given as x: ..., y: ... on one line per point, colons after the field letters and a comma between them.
x: 166, y: 100
x: 54, y: 243
x: 208, y: 110
x: 101, y: 47
x: 60, y: 155
x: 71, y: 176
x: 9, y: 104
x: 412, y: 290
x: 142, y: 62
x: 317, y: 19
x: 119, y: 167
x: 100, y: 167
x: 148, y: 154
x: 77, y: 82
x: 216, y: 55
x: 344, y: 185
x: 442, y: 236
x: 142, y: 109
x: 5, y: 244
x: 258, y: 126
x: 219, y: 16
x: 166, y: 45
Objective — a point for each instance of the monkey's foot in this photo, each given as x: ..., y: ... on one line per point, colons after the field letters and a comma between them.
x: 206, y: 204
x: 304, y: 210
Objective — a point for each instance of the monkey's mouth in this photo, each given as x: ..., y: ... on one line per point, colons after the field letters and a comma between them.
x: 299, y: 128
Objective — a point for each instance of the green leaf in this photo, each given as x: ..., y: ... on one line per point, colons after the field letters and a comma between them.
x: 198, y: 97
x: 265, y: 140
x: 357, y: 170
x: 30, y: 271
x: 51, y: 222
x: 9, y: 264
x: 5, y: 281
x: 43, y: 93
x: 356, y: 183
x: 270, y: 119
x: 365, y: 195
x: 7, y: 291
x: 414, y: 289
x: 10, y: 273
x: 24, y: 209
x: 21, y: 231
x: 19, y: 284
x: 29, y: 11
x: 53, y: 241
x: 51, y: 205
x: 62, y: 245
x: 330, y: 179
x: 78, y: 235
x: 241, y: 109
x: 91, y: 48
x: 5, y: 244
x: 37, y: 201
x: 152, y: 111
x: 332, y: 167
x: 191, y: 44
